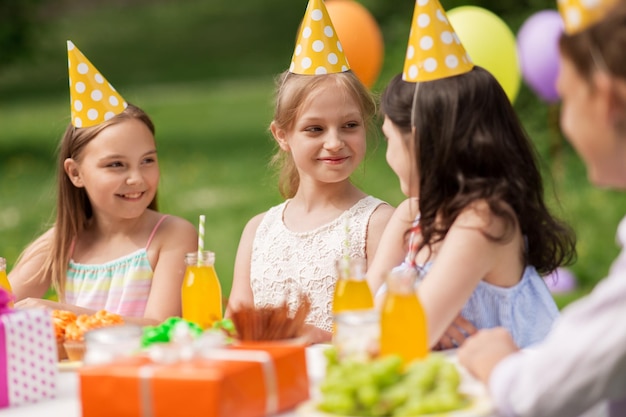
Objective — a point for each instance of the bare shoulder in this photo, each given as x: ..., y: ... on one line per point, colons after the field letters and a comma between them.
x: 253, y: 223
x: 174, y: 225
x: 381, y: 215
x: 408, y: 210
x: 249, y: 231
x: 176, y: 231
x: 45, y: 237
x: 479, y: 215
x: 39, y: 245
x: 400, y: 219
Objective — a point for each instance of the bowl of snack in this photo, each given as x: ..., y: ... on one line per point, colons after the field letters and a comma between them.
x: 72, y: 328
x: 60, y: 320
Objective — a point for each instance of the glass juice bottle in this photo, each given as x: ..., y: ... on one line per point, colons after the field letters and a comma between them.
x: 4, y: 280
x: 352, y: 291
x: 403, y: 327
x: 201, y: 292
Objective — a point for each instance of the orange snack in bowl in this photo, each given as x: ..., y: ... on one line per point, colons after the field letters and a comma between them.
x: 75, y: 331
x: 61, y: 319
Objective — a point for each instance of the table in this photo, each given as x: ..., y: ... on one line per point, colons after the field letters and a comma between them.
x: 67, y: 402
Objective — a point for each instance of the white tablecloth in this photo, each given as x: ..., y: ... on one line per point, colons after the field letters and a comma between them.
x: 67, y: 402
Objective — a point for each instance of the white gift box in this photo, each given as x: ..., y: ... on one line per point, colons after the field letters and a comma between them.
x: 28, y: 357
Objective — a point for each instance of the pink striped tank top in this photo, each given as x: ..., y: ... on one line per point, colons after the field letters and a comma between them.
x: 119, y: 286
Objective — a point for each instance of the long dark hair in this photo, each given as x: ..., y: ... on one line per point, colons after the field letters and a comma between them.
x: 470, y: 146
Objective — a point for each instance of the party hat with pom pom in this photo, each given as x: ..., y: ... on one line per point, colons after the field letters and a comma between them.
x: 93, y: 100
x: 318, y: 50
x: 579, y: 14
x: 434, y: 50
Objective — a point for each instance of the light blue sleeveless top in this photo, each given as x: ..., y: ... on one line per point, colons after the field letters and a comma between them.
x: 527, y: 310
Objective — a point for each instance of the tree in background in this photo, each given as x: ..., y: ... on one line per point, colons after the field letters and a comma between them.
x: 17, y: 20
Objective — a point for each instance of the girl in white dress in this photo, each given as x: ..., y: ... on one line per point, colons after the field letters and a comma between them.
x: 320, y: 124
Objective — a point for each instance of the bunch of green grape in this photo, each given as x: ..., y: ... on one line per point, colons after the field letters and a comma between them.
x: 384, y: 387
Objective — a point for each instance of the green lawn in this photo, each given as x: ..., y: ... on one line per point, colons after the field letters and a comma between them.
x: 204, y: 71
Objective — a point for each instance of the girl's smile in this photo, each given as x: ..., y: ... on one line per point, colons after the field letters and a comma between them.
x: 334, y: 160
x: 132, y: 196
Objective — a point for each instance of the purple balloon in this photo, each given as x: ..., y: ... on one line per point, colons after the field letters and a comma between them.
x: 562, y: 280
x: 538, y: 51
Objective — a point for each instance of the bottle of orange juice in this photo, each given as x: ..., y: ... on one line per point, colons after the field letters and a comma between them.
x: 201, y: 291
x: 352, y: 291
x: 4, y: 280
x: 403, y: 327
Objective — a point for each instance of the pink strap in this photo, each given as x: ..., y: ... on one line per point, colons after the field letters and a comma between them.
x: 156, y: 226
x: 72, y: 248
x: 412, y: 252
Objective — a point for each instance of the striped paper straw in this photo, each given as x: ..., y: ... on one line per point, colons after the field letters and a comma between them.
x: 201, y: 239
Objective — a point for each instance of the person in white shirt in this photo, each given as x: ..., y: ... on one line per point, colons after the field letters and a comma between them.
x: 580, y: 368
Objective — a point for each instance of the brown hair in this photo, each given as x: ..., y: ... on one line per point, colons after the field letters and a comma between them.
x: 74, y: 209
x: 604, y: 41
x: 292, y: 93
x: 471, y: 146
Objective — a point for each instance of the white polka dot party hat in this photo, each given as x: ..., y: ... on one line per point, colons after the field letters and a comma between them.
x: 93, y: 100
x: 578, y: 14
x: 434, y: 49
x: 318, y: 50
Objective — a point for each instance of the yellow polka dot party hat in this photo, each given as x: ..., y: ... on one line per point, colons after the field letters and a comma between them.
x: 93, y: 100
x: 578, y: 14
x: 318, y: 50
x: 434, y: 50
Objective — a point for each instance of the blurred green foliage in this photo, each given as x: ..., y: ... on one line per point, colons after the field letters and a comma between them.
x: 17, y: 20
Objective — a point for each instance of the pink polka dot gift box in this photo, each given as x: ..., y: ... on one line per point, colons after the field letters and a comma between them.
x: 28, y: 356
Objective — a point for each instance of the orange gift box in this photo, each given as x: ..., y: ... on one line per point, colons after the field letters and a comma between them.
x: 251, y: 380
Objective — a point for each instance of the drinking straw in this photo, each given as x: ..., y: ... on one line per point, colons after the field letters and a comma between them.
x: 201, y: 239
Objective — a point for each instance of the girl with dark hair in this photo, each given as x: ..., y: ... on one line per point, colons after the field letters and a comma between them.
x: 484, y: 235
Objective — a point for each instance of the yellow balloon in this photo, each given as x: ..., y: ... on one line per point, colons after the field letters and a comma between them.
x: 490, y: 43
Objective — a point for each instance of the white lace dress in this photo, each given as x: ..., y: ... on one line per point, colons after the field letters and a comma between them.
x: 285, y: 262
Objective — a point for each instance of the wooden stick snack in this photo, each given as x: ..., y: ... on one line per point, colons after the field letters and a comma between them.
x: 271, y: 322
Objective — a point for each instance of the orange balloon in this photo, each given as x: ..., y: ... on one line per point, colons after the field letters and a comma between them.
x: 360, y: 37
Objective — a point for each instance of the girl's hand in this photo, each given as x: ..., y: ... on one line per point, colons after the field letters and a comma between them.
x: 482, y: 352
x: 313, y: 335
x: 31, y: 302
x: 455, y: 335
